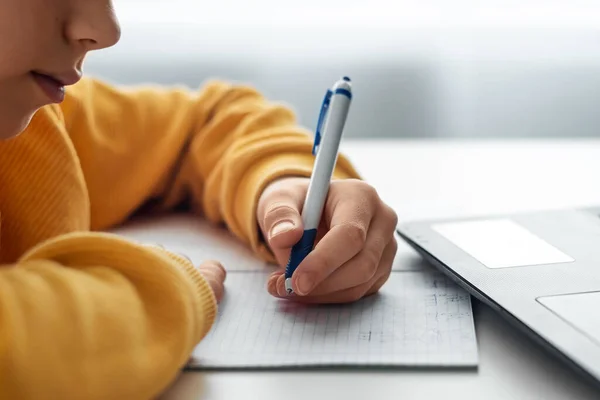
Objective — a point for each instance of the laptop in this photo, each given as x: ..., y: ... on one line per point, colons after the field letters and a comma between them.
x: 539, y: 270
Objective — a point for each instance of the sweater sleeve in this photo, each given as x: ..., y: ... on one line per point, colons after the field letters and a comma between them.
x: 214, y: 150
x: 81, y: 319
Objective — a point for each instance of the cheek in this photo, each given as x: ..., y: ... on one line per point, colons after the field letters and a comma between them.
x: 28, y: 35
x: 13, y: 62
x: 16, y: 31
x: 29, y: 32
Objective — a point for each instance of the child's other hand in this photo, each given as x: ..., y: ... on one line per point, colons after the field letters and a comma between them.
x: 355, y: 245
x: 215, y: 274
x: 212, y: 271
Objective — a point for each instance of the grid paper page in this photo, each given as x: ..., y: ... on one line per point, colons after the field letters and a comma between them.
x: 418, y: 319
x: 195, y: 238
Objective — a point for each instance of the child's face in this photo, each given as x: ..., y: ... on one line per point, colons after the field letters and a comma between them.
x: 42, y: 47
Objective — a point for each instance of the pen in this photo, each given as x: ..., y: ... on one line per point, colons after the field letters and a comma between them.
x: 328, y: 136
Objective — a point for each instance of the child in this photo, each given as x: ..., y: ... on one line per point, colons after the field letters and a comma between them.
x: 87, y: 315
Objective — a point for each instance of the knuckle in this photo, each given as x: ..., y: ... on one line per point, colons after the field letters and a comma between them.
x: 393, y: 217
x: 367, y: 189
x: 359, y: 187
x: 356, y: 235
x: 370, y: 191
x: 278, y: 209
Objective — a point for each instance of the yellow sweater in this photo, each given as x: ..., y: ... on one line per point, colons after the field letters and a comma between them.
x: 88, y: 315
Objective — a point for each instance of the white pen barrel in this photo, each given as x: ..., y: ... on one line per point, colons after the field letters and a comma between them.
x: 327, y: 155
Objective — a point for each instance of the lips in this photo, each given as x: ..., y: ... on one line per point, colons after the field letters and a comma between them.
x: 54, y: 89
x: 53, y: 85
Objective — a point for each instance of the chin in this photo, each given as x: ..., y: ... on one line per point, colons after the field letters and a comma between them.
x: 10, y: 129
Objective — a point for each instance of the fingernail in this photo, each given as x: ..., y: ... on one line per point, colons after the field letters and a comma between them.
x: 281, y: 286
x: 305, y: 283
x: 281, y: 227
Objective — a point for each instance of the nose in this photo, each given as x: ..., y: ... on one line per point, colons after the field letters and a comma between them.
x: 93, y: 26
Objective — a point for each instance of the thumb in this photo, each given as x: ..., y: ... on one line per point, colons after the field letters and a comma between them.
x: 284, y: 226
x: 282, y: 221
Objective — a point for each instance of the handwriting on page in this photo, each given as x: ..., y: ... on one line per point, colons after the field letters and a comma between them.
x: 419, y: 318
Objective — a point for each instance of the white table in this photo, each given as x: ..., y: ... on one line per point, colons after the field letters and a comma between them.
x: 428, y: 179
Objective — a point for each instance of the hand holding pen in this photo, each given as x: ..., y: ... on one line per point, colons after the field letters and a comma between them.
x: 342, y: 246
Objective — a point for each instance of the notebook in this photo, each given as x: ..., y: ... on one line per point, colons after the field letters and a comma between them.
x: 419, y: 319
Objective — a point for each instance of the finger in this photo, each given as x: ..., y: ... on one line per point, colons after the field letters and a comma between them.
x: 281, y: 292
x: 358, y: 292
x: 350, y: 223
x: 364, y: 266
x: 213, y: 268
x: 343, y: 296
x: 216, y: 286
x: 361, y: 196
x: 215, y: 275
x: 272, y: 283
x: 278, y: 287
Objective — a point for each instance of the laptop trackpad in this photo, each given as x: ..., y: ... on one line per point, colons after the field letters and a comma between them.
x: 501, y: 243
x: 580, y: 310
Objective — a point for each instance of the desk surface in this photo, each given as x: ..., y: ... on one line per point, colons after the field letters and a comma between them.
x: 428, y: 179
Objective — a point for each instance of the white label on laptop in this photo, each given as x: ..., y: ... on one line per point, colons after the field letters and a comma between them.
x: 501, y: 243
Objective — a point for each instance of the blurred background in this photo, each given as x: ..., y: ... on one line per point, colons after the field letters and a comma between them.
x: 420, y: 69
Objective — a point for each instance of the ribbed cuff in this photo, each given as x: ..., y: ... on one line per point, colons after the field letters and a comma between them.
x: 205, y: 302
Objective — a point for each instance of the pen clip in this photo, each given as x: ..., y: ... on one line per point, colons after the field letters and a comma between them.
x: 321, y: 121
